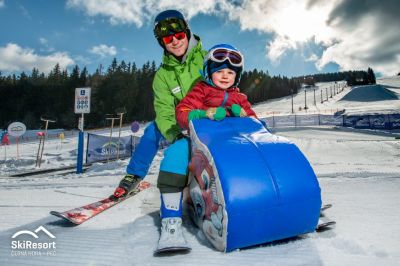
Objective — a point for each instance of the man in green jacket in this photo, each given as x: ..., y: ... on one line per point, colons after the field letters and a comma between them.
x: 182, y: 60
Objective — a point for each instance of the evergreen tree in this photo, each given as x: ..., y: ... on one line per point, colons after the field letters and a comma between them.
x: 371, y: 76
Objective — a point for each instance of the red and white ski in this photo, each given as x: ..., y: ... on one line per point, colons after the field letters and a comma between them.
x: 82, y: 214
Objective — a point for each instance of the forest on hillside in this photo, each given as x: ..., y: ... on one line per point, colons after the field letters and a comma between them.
x: 122, y: 86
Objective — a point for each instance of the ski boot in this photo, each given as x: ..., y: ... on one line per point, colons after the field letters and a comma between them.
x: 171, y: 238
x: 127, y: 185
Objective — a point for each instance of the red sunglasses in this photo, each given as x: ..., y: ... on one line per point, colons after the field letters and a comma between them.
x: 178, y: 35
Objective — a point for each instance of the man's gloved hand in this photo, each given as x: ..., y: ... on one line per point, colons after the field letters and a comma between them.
x: 238, y: 111
x: 216, y: 113
x: 179, y: 136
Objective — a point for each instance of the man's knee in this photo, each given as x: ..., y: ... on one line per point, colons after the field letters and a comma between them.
x: 170, y: 182
x: 176, y: 158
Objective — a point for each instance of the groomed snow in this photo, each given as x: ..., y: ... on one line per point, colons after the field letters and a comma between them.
x: 358, y: 171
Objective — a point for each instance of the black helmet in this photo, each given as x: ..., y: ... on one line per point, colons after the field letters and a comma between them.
x: 169, y: 22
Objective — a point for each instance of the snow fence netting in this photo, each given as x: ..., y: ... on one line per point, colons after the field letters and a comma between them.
x: 248, y: 186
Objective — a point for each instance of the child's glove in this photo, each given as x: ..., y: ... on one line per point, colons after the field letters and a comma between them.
x: 216, y: 113
x: 238, y: 111
x: 213, y: 113
x: 196, y: 114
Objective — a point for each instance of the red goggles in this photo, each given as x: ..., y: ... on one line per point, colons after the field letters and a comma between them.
x: 178, y: 35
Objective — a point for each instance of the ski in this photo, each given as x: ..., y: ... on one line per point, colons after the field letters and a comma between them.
x: 80, y: 215
x: 172, y: 250
x: 324, y: 226
x: 325, y: 207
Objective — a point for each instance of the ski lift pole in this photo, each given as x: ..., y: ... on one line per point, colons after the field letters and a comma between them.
x: 38, y: 152
x: 82, y: 106
x: 291, y: 93
x: 44, y: 137
x: 81, y: 140
x: 40, y: 135
x: 119, y: 133
x: 17, y: 141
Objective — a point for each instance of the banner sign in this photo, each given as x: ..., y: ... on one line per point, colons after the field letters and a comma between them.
x: 307, y: 120
x: 394, y: 121
x: 284, y: 121
x: 357, y: 121
x: 331, y: 120
x: 100, y: 148
x: 269, y: 120
x: 378, y: 121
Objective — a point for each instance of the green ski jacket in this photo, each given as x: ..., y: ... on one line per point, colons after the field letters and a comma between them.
x: 173, y: 80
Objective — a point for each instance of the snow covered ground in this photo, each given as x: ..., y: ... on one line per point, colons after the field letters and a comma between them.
x: 358, y: 171
x: 370, y: 100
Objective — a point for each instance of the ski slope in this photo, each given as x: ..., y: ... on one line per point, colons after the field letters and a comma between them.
x: 358, y: 171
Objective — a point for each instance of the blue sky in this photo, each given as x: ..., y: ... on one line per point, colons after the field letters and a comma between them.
x: 285, y: 37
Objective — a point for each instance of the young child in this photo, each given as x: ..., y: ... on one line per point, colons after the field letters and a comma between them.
x: 218, y: 95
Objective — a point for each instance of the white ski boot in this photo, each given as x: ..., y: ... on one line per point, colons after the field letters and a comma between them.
x: 172, y: 239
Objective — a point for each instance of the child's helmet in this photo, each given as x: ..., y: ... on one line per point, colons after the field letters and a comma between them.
x: 169, y: 22
x: 223, y: 56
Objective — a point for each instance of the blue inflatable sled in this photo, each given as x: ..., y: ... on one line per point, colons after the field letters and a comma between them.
x: 248, y: 186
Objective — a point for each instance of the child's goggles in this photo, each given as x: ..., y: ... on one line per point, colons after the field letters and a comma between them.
x: 169, y: 26
x: 219, y: 55
x: 178, y: 35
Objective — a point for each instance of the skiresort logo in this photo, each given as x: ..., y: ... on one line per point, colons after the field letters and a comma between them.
x: 28, y: 243
x: 111, y: 148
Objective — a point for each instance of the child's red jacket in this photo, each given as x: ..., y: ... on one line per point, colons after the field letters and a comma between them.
x: 203, y: 96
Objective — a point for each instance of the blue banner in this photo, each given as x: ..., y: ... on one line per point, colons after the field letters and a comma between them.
x: 101, y: 148
x: 394, y: 121
x: 357, y: 121
x: 379, y: 121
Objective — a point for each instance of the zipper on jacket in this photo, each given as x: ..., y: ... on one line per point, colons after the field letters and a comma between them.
x: 178, y: 79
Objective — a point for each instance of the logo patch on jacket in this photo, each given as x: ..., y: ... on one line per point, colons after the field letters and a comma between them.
x: 176, y: 90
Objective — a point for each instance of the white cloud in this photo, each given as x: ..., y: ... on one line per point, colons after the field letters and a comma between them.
x: 278, y: 47
x: 120, y: 11
x: 312, y: 58
x: 137, y: 11
x: 2, y: 3
x: 103, y: 50
x: 43, y: 40
x: 83, y: 60
x: 45, y: 45
x: 15, y: 58
x: 367, y: 40
x: 353, y: 33
x: 292, y: 23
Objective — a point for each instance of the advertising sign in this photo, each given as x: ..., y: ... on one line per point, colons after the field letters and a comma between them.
x: 82, y: 100
x: 100, y: 148
x: 16, y: 129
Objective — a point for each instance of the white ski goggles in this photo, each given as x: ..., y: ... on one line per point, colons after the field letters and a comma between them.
x: 219, y: 55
